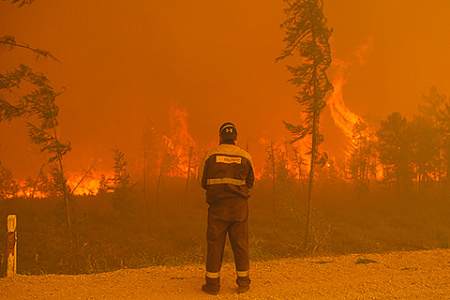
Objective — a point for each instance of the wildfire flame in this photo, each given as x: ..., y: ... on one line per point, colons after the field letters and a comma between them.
x: 179, y: 147
x: 341, y: 114
x: 80, y: 184
x: 343, y: 117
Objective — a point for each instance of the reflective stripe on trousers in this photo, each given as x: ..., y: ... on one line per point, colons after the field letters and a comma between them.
x: 242, y: 273
x: 212, y: 274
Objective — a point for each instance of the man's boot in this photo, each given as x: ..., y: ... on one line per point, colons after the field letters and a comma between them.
x: 212, y: 286
x: 243, y: 284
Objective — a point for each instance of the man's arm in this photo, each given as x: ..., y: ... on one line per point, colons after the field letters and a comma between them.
x: 204, y: 175
x: 250, y: 178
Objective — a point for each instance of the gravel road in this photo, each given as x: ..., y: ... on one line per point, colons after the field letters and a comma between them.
x: 394, y: 275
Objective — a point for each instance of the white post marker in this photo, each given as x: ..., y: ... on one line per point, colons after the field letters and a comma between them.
x: 12, y: 246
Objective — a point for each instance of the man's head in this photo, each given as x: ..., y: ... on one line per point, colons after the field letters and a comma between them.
x: 227, y: 132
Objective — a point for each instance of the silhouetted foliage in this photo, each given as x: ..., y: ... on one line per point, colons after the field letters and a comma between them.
x: 362, y: 160
x: 436, y: 109
x: 307, y: 36
x: 39, y: 103
x: 8, y: 186
x: 9, y: 42
x: 21, y: 2
x: 426, y: 150
x: 103, y: 185
x: 122, y: 200
x: 394, y: 149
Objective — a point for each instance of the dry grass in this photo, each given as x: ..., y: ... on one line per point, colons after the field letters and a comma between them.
x: 172, y: 232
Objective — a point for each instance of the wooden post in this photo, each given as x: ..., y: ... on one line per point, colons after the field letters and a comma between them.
x: 12, y: 246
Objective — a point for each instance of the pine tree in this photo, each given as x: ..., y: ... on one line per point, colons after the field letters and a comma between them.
x: 394, y: 147
x: 122, y: 200
x: 307, y: 36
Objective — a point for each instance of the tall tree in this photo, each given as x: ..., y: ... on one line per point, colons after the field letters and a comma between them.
x: 394, y: 149
x: 42, y: 104
x: 38, y: 101
x: 307, y: 36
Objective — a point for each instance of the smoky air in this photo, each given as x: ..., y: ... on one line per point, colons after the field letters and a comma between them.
x: 107, y: 111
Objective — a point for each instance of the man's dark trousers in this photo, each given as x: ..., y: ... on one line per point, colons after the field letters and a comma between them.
x: 229, y: 216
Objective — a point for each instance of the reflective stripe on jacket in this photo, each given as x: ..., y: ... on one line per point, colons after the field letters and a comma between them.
x: 228, y: 173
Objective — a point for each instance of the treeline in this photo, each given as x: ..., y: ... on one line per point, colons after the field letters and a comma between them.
x: 400, y: 154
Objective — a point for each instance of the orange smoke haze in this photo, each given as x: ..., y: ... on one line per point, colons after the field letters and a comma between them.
x: 185, y: 67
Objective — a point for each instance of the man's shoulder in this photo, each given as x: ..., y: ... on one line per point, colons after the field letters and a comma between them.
x: 227, y: 149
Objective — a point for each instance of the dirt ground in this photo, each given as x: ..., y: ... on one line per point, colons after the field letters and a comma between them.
x: 395, y: 275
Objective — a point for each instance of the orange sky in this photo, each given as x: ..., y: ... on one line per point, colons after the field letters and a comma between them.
x: 127, y: 62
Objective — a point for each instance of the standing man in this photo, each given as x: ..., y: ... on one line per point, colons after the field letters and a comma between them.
x: 227, y: 176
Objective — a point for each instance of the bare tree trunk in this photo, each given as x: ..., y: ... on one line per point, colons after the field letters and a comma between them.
x: 158, y: 184
x: 34, y: 187
x: 65, y: 192
x: 311, y: 182
x: 301, y: 183
x: 273, y: 179
x: 187, y: 178
x: 144, y: 188
x: 82, y: 178
x: 315, y: 132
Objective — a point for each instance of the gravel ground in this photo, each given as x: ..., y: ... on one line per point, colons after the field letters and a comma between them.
x: 395, y: 275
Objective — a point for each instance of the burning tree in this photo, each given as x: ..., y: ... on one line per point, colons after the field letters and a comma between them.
x: 178, y: 158
x: 308, y: 35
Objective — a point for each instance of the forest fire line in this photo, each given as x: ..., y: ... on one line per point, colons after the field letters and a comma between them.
x: 284, y: 161
x: 178, y: 156
x: 78, y: 184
